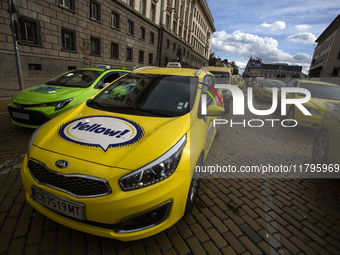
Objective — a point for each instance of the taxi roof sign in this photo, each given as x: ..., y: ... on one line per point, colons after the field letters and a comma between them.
x: 174, y: 64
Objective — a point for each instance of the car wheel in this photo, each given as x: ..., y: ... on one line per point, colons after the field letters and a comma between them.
x: 321, y: 148
x: 193, y: 190
x: 291, y: 115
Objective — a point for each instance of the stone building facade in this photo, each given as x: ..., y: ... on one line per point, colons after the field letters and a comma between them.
x: 326, y: 57
x: 60, y: 35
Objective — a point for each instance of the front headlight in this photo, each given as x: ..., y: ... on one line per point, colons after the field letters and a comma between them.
x: 59, y: 104
x: 156, y: 171
x: 30, y: 141
x: 313, y: 111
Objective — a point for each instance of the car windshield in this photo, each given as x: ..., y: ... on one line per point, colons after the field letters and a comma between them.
x: 274, y: 84
x: 221, y: 77
x: 322, y: 91
x: 77, y: 78
x: 148, y: 94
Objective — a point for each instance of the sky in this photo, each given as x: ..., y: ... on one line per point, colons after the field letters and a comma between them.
x: 277, y: 31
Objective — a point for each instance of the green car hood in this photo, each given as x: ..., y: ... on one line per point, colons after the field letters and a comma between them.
x: 322, y: 103
x: 46, y: 93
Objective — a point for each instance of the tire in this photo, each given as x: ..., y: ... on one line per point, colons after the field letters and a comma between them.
x: 193, y: 190
x: 291, y: 115
x: 321, y: 148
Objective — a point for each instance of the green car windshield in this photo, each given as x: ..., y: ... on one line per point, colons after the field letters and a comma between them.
x: 274, y: 84
x: 322, y: 91
x: 77, y: 78
x: 148, y: 94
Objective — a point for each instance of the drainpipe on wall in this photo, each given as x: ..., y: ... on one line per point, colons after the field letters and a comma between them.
x: 160, y: 36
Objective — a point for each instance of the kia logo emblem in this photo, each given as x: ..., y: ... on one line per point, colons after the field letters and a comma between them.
x: 19, y: 107
x: 61, y: 164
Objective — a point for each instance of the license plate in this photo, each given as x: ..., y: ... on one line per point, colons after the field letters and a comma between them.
x: 19, y: 115
x: 64, y: 206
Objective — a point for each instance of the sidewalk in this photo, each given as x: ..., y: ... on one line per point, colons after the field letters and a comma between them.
x: 10, y: 86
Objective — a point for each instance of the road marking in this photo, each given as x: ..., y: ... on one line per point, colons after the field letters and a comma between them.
x: 273, y: 234
x: 13, y: 166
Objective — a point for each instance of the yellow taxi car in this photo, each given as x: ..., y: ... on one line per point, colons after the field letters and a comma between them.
x: 326, y: 148
x: 124, y: 166
x: 263, y: 90
x: 324, y: 96
x: 238, y: 81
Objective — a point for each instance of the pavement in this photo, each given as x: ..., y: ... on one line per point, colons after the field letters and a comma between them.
x: 274, y: 216
x: 10, y: 86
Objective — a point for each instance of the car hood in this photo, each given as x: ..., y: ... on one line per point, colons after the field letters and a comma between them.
x: 116, y: 140
x: 321, y: 103
x: 46, y: 93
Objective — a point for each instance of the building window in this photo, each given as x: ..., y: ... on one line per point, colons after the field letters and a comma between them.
x: 94, y: 10
x: 129, y: 54
x: 130, y: 27
x: 130, y: 2
x: 175, y: 27
x: 29, y: 31
x: 166, y: 61
x: 338, y: 55
x: 174, y: 47
x: 167, y: 43
x: 153, y: 12
x: 114, y: 50
x: 115, y: 20
x: 95, y: 46
x: 335, y: 72
x: 167, y: 21
x: 68, y: 40
x: 150, y: 58
x: 142, y: 33
x: 142, y: 7
x: 152, y: 37
x: 141, y: 56
x: 69, y: 4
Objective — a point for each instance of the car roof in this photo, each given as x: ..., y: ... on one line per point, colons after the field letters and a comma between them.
x: 167, y: 71
x: 318, y: 82
x: 217, y: 68
x: 102, y: 69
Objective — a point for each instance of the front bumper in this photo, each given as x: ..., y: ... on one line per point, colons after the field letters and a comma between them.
x: 105, y: 214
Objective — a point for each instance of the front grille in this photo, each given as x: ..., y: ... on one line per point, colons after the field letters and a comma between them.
x: 35, y: 118
x: 74, y: 184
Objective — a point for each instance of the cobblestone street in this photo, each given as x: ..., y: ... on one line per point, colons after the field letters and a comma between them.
x: 233, y: 215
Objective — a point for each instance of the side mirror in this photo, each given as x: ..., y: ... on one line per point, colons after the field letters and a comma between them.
x: 214, y: 110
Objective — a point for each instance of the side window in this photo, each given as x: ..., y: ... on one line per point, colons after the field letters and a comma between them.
x: 106, y: 80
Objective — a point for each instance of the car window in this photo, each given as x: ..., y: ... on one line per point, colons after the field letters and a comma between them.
x: 76, y: 78
x: 147, y: 94
x: 221, y: 77
x: 107, y: 79
x: 274, y: 84
x: 322, y: 91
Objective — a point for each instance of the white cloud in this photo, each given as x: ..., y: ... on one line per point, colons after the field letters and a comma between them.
x: 302, y: 27
x: 247, y: 45
x: 302, y: 38
x: 276, y: 25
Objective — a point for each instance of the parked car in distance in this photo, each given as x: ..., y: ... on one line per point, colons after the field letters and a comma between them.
x: 326, y: 147
x: 264, y: 89
x: 36, y: 105
x: 124, y: 165
x: 324, y: 96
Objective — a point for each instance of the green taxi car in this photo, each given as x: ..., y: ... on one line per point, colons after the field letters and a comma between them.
x: 36, y: 105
